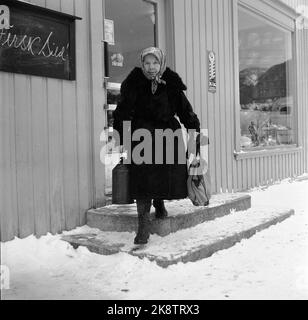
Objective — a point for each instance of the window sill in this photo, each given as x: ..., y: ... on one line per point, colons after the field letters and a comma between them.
x: 250, y: 154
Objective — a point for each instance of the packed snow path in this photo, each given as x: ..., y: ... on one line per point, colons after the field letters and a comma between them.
x: 271, y: 265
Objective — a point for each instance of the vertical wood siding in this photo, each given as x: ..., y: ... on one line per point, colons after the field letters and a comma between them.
x: 46, y: 152
x: 207, y: 27
x: 299, y: 164
x: 202, y: 25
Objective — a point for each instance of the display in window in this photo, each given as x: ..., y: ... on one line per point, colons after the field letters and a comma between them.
x: 265, y: 60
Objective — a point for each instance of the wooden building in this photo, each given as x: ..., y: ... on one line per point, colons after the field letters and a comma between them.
x: 50, y: 166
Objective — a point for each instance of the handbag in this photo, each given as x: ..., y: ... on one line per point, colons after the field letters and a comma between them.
x: 121, y: 184
x: 199, y: 184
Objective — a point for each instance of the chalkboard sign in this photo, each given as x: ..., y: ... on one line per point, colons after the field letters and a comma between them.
x: 36, y: 41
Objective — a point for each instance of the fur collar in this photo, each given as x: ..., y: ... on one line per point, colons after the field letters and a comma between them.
x: 136, y: 79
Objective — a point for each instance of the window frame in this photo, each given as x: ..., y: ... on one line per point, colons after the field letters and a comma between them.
x: 284, y: 17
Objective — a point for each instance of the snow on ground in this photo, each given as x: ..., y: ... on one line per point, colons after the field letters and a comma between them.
x: 271, y: 265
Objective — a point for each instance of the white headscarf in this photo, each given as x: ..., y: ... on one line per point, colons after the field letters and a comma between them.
x: 161, y: 58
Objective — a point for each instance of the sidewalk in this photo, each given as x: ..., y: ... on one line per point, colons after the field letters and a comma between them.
x: 273, y: 264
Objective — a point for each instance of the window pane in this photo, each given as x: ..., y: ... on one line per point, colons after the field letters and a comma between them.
x: 134, y: 29
x: 265, y: 64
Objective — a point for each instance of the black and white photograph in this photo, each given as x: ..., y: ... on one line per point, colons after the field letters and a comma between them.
x: 155, y: 151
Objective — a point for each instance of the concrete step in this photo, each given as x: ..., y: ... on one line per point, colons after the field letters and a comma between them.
x: 182, y: 214
x: 188, y: 245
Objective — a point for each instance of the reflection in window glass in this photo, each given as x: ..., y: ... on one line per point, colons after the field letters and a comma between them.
x: 265, y: 64
x: 134, y: 29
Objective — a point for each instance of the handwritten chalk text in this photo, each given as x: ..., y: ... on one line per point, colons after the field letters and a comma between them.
x: 34, y: 45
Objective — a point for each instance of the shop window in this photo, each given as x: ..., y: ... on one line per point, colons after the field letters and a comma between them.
x: 265, y: 75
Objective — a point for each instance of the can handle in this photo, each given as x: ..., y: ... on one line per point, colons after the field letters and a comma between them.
x: 122, y: 154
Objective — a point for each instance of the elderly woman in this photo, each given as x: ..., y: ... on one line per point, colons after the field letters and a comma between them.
x: 151, y: 96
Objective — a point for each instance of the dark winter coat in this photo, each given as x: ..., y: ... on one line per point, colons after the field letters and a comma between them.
x: 148, y: 111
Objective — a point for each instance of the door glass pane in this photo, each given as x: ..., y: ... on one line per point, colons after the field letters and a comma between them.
x: 134, y: 29
x: 134, y: 23
x: 266, y: 66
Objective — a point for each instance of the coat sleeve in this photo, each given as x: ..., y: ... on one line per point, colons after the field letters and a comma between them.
x: 188, y: 117
x: 124, y: 110
x: 186, y: 114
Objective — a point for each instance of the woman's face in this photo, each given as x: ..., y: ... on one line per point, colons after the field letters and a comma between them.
x: 151, y: 65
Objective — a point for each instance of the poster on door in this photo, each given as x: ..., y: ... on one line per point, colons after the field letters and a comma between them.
x: 109, y: 31
x: 117, y: 60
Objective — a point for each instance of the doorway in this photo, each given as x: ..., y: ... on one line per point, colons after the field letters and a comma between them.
x: 130, y: 26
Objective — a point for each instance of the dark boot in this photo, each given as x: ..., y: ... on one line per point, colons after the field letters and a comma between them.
x: 143, y: 209
x: 160, y: 210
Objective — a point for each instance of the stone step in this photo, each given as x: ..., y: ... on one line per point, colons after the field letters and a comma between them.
x: 188, y: 245
x: 182, y: 214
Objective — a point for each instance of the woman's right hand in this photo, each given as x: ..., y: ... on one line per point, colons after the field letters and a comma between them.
x: 123, y: 152
x: 196, y: 162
